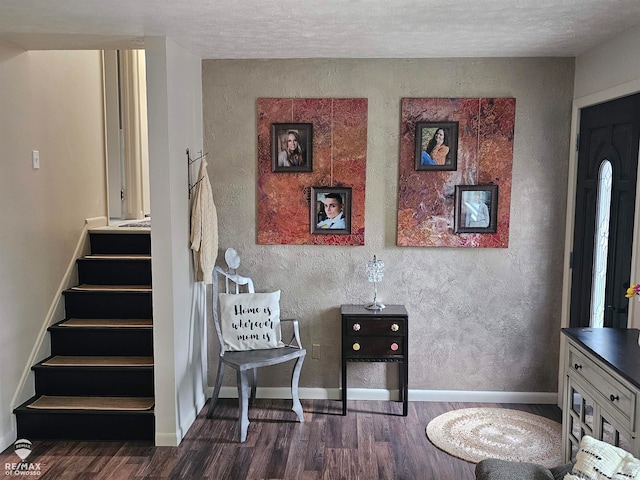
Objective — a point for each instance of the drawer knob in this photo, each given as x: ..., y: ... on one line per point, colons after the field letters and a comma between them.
x: 395, y: 327
x: 576, y: 366
x: 356, y: 346
x: 614, y: 398
x: 356, y: 327
x: 394, y: 346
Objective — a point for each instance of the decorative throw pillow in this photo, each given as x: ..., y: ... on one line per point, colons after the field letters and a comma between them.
x: 598, y: 460
x: 250, y: 321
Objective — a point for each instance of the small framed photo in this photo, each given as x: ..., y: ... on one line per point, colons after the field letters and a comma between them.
x: 476, y: 209
x: 330, y: 210
x: 436, y: 146
x: 291, y: 147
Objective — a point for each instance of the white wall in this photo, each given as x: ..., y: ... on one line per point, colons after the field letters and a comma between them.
x: 174, y: 95
x: 480, y: 319
x: 52, y: 102
x: 609, y: 65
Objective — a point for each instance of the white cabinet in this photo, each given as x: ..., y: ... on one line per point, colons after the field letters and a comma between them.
x: 601, y: 390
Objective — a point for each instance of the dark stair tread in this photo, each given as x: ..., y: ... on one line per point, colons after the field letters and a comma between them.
x: 111, y: 288
x: 139, y: 232
x: 113, y: 230
x: 108, y: 323
x: 117, y: 256
x: 96, y: 361
x: 87, y: 404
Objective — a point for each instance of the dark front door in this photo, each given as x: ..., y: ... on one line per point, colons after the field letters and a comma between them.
x: 603, y: 231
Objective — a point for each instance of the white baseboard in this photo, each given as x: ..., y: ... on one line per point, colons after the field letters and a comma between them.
x: 187, y: 421
x: 414, y: 395
x: 96, y: 222
x: 483, y: 396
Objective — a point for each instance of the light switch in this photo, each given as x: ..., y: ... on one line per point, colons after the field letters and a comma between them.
x: 35, y: 158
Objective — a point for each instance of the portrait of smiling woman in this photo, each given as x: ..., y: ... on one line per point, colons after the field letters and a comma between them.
x: 435, y: 152
x: 292, y: 155
x: 291, y: 147
x: 436, y: 146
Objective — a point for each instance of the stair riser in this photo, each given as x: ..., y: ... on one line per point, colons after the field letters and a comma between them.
x: 108, y: 304
x: 114, y: 272
x: 87, y: 341
x: 85, y: 426
x: 138, y: 243
x: 68, y: 381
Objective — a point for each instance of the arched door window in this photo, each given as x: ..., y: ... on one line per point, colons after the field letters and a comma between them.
x: 601, y: 245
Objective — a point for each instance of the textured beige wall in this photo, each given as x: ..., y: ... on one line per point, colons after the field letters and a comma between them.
x: 52, y: 102
x: 480, y: 319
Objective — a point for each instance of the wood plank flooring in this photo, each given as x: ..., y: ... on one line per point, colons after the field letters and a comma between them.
x: 374, y: 441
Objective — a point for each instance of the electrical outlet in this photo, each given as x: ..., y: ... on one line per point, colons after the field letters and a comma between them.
x: 315, y: 351
x: 35, y: 159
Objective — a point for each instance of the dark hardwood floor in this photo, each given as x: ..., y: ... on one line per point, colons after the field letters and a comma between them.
x: 372, y: 442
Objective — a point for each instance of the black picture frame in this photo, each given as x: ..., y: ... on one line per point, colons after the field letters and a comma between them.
x: 466, y: 218
x: 319, y: 220
x: 279, y: 135
x: 424, y: 134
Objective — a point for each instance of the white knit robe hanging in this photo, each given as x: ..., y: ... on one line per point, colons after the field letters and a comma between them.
x: 204, y: 227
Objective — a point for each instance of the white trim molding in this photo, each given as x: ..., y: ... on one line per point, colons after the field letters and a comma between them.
x: 414, y: 395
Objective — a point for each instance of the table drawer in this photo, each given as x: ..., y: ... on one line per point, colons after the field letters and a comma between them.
x: 375, y: 326
x: 374, y: 346
x: 616, y: 393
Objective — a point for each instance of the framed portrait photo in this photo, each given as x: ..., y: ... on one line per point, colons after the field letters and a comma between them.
x: 291, y: 147
x: 330, y: 210
x: 436, y: 146
x: 476, y: 209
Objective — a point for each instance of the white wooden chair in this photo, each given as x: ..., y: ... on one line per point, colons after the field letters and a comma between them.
x: 249, y: 361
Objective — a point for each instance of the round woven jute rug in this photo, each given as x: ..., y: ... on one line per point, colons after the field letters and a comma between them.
x: 474, y: 434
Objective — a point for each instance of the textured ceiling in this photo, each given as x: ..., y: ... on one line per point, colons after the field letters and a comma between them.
x: 323, y: 29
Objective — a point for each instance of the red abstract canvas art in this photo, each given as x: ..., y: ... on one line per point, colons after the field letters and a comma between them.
x: 484, y: 156
x: 339, y: 152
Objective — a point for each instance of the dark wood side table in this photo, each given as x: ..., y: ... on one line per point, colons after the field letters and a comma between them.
x: 376, y: 336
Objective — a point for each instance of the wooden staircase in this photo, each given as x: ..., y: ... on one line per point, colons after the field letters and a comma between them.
x: 98, y: 383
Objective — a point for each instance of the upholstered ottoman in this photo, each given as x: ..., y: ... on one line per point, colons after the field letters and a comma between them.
x: 493, y: 469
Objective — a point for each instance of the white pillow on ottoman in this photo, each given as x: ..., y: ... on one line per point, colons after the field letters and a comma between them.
x: 250, y: 321
x: 598, y: 460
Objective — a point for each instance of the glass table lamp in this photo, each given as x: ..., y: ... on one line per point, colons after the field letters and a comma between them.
x: 375, y: 272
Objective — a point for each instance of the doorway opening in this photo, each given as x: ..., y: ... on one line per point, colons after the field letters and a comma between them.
x: 604, y: 214
x: 127, y: 153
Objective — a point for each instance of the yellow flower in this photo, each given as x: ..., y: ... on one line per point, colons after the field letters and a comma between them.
x: 632, y: 291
